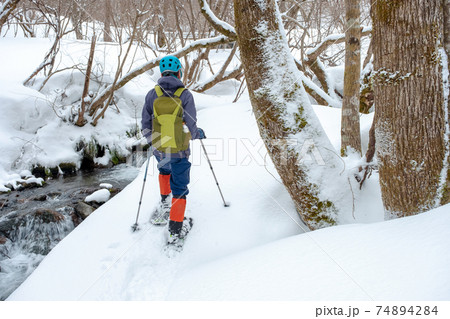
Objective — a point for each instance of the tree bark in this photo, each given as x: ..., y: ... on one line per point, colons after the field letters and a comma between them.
x: 446, y: 194
x: 410, y: 117
x: 350, y: 129
x: 282, y: 110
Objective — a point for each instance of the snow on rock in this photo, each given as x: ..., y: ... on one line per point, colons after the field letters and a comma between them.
x: 99, y: 196
x: 106, y: 185
x: 34, y: 180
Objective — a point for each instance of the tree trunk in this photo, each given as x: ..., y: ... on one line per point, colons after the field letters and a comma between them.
x: 76, y: 16
x: 350, y: 129
x: 410, y: 123
x: 446, y: 195
x: 107, y: 23
x: 285, y: 118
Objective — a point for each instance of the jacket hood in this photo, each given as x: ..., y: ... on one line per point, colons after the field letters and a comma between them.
x: 170, y: 84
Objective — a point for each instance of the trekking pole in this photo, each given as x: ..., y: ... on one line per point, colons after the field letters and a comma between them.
x: 226, y: 204
x: 136, y: 226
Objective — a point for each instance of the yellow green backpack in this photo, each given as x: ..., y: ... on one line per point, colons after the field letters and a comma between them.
x: 168, y: 135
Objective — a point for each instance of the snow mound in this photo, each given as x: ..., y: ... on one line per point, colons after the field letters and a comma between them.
x: 99, y: 196
x: 106, y: 185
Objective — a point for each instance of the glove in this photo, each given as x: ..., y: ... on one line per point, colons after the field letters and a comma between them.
x: 201, y: 134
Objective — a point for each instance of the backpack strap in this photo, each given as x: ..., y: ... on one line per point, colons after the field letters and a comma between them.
x: 178, y: 92
x: 158, y: 91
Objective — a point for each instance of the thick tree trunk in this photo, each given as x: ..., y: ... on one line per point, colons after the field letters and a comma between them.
x: 410, y: 123
x: 446, y: 195
x: 350, y: 129
x: 283, y: 113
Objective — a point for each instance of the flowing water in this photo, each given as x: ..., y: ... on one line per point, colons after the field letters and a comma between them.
x: 34, y: 220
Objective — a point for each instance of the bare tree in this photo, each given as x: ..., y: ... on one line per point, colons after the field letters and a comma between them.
x: 410, y: 128
x: 56, y: 21
x: 81, y: 120
x: 6, y: 9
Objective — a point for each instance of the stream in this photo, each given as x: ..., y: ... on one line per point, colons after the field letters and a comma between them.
x: 34, y: 220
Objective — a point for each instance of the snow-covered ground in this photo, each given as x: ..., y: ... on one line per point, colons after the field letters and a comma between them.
x: 256, y: 249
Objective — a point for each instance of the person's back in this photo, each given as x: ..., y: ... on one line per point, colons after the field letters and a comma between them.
x: 161, y: 120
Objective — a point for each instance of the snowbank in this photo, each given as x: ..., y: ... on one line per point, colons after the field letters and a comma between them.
x: 34, y: 126
x: 403, y: 259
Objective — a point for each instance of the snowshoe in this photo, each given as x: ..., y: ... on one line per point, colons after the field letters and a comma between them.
x: 161, y: 214
x: 176, y: 241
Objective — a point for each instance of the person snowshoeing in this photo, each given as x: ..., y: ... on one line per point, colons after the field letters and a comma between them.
x: 169, y: 122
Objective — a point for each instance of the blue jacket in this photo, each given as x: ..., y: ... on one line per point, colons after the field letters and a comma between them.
x: 170, y: 84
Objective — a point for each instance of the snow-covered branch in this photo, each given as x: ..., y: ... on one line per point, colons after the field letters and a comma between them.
x: 6, y: 9
x: 216, y: 23
x: 314, y: 53
x: 202, y: 43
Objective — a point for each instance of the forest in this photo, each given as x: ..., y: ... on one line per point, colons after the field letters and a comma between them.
x: 348, y: 102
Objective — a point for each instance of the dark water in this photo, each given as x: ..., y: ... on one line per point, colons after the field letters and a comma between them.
x: 64, y: 191
x: 26, y: 236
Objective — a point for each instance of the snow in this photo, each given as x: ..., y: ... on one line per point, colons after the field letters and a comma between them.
x: 100, y: 196
x: 334, y: 264
x: 30, y: 118
x: 106, y: 185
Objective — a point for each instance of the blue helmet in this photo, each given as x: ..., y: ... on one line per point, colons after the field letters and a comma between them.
x: 169, y: 64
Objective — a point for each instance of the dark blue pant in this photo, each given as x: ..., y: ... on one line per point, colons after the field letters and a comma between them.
x: 179, y: 170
